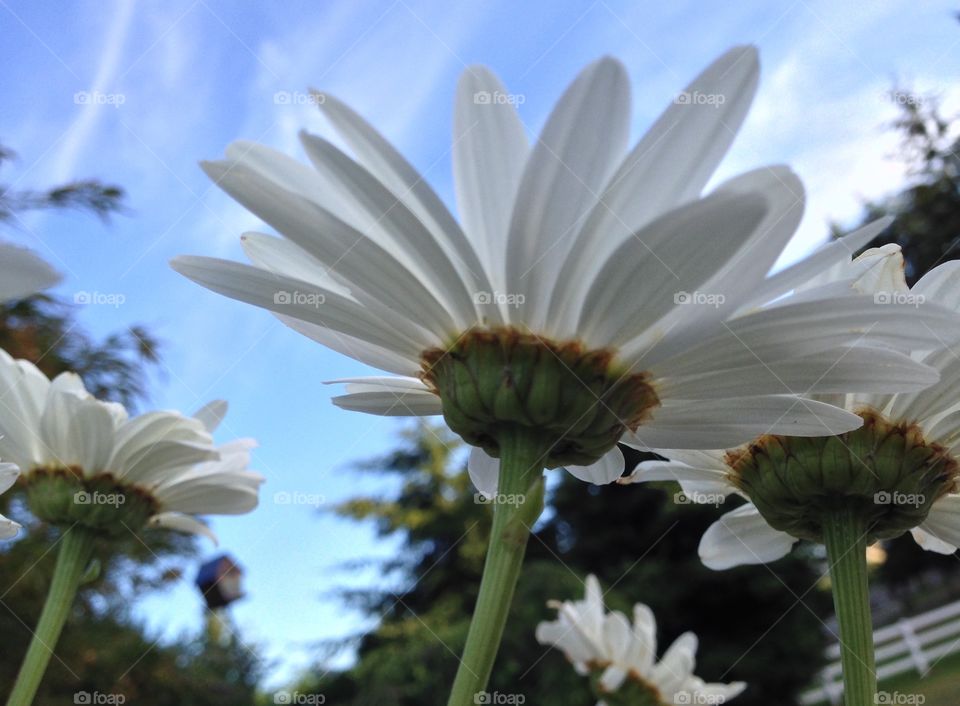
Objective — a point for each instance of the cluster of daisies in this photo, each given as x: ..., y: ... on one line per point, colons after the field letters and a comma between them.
x: 591, y: 293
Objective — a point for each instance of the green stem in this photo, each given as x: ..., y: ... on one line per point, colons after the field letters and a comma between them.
x: 844, y: 533
x: 76, y: 549
x: 521, y: 480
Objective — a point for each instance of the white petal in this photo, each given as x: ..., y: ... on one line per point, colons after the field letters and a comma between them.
x: 389, y: 166
x: 22, y: 273
x: 484, y: 471
x: 77, y: 432
x: 8, y: 528
x: 670, y: 165
x: 362, y: 262
x: 578, y: 148
x: 183, y: 523
x: 931, y: 543
x: 8, y: 476
x: 839, y: 251
x: 211, y: 414
x: 836, y: 370
x: 390, y: 396
x: 489, y: 153
x: 724, y: 424
x: 743, y: 537
x: 649, y: 274
x: 608, y: 469
x: 275, y: 293
x: 284, y: 257
x: 801, y: 329
x: 943, y: 523
x: 421, y: 253
x: 367, y: 353
x: 941, y: 285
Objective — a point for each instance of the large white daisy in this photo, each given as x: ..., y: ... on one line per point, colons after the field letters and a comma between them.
x: 85, y: 461
x: 927, y: 421
x: 22, y: 273
x: 623, y: 657
x: 589, y: 293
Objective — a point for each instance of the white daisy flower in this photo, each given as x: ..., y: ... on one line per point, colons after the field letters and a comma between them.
x: 900, y: 468
x: 589, y: 293
x: 622, y: 658
x: 22, y: 273
x: 85, y: 461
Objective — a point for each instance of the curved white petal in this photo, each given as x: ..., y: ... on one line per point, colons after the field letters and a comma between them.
x: 671, y: 164
x: 298, y: 299
x: 835, y: 370
x: 742, y: 536
x: 726, y: 423
x: 942, y: 524
x: 578, y: 149
x: 211, y: 414
x: 608, y: 469
x: 490, y: 150
x: 931, y: 543
x: 941, y: 285
x: 23, y: 273
x: 389, y: 396
x: 650, y: 274
x: 484, y: 471
x: 183, y: 523
x: 8, y: 528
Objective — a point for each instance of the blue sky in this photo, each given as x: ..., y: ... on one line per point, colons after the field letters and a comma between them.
x: 174, y: 82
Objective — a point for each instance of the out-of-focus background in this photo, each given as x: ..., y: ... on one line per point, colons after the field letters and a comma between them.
x: 362, y: 562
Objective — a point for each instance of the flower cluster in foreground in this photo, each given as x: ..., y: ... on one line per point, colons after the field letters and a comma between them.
x: 590, y: 293
x: 621, y: 658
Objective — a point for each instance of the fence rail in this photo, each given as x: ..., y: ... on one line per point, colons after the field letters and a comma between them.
x: 909, y: 644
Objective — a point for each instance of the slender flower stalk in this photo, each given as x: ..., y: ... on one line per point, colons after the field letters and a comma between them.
x: 74, y: 554
x: 521, y: 464
x: 845, y: 536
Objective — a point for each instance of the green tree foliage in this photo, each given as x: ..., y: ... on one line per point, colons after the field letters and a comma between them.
x: 759, y: 624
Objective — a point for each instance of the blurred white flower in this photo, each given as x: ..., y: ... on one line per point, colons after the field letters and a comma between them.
x: 624, y: 655
x: 85, y: 461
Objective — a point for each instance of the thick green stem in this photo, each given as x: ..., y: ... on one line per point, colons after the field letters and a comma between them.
x: 518, y: 504
x: 76, y: 548
x: 845, y: 534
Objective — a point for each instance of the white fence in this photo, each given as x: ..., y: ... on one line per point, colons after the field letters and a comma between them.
x: 909, y: 644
